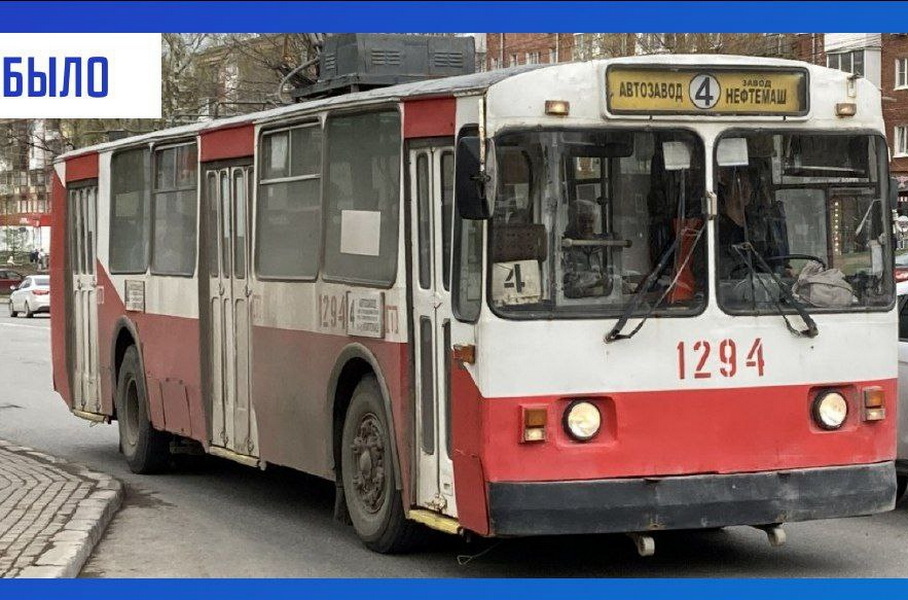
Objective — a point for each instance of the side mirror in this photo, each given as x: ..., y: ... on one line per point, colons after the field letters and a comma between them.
x: 13, y: 288
x: 471, y: 184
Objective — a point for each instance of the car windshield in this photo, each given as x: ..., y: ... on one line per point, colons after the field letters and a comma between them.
x: 805, y: 211
x: 902, y: 260
x: 45, y: 281
x: 583, y: 217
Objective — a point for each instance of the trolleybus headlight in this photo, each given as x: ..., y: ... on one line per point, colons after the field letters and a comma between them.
x: 830, y: 410
x: 582, y: 420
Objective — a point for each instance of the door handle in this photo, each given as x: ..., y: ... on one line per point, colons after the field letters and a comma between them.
x: 248, y: 291
x: 221, y: 289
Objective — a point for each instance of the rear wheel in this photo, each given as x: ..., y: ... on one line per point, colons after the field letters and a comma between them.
x: 901, y: 484
x: 146, y: 449
x: 368, y: 474
x: 28, y: 311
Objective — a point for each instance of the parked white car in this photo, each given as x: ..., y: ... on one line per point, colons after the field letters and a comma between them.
x: 901, y: 463
x: 31, y: 296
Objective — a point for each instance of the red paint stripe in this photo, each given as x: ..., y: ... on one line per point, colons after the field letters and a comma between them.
x: 429, y: 118
x: 172, y: 369
x: 82, y: 167
x: 687, y: 431
x: 58, y: 287
x: 232, y: 142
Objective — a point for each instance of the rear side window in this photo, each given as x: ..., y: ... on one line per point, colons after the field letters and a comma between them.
x: 129, y: 211
x: 289, y: 216
x: 362, y: 191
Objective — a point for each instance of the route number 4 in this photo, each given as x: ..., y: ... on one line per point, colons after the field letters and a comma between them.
x: 704, y: 91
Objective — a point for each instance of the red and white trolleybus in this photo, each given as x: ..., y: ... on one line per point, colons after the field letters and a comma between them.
x: 614, y: 296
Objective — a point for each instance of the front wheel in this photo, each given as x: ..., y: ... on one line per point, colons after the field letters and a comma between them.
x: 146, y: 449
x: 901, y: 484
x: 12, y: 311
x: 368, y: 474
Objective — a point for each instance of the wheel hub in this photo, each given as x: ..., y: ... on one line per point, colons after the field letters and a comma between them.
x: 369, y: 456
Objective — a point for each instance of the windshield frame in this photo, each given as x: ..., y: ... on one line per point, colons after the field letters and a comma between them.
x: 888, y: 248
x: 596, y: 313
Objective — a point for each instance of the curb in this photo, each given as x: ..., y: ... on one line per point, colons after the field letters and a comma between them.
x: 69, y: 549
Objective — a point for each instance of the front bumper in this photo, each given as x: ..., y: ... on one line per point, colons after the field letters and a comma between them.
x: 689, y: 502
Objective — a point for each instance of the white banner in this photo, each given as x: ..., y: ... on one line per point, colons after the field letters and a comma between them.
x: 80, y: 75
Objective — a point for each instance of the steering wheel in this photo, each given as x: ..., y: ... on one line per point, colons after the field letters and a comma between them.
x: 741, y: 266
x: 785, y: 257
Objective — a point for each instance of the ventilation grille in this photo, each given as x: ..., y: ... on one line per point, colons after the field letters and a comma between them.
x: 330, y: 61
x: 386, y: 57
x: 445, y: 60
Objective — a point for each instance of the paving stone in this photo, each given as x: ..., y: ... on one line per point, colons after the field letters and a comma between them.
x: 53, y: 513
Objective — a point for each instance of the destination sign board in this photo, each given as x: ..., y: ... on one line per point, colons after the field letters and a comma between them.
x: 706, y: 90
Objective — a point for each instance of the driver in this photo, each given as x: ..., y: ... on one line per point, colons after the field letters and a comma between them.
x: 735, y: 196
x: 747, y: 213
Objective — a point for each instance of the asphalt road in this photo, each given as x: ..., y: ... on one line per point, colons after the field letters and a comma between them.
x: 212, y: 518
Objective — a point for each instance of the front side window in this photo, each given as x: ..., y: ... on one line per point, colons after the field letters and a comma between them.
x: 587, y: 223
x: 175, y: 209
x: 802, y: 220
x: 362, y: 192
x: 130, y: 208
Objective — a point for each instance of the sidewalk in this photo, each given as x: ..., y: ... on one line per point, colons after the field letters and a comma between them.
x: 52, y: 513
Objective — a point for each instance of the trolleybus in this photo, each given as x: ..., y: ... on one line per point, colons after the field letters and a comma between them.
x: 624, y: 295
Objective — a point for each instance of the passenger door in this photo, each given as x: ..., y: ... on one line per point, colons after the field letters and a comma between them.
x: 431, y: 204
x: 83, y: 221
x: 228, y: 206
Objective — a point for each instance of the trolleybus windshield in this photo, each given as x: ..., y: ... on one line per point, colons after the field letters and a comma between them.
x: 582, y: 219
x: 813, y: 207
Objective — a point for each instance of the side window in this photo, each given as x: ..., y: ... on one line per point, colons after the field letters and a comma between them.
x: 903, y: 318
x: 447, y: 208
x: 26, y: 283
x: 362, y: 190
x: 130, y: 200
x: 467, y: 280
x: 175, y: 209
x: 289, y: 217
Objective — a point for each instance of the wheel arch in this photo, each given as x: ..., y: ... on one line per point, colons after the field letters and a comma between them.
x: 125, y: 335
x: 353, y: 363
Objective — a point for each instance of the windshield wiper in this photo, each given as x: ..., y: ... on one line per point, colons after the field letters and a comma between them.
x: 615, y: 333
x: 811, y: 330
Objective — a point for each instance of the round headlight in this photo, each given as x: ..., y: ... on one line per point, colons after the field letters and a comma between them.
x: 830, y: 410
x: 582, y: 420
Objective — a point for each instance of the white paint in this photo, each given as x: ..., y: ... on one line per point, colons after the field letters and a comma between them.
x: 134, y: 75
x: 360, y: 232
x: 366, y: 313
x: 60, y: 169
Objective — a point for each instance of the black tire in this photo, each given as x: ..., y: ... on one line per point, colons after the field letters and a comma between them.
x: 368, y: 474
x: 12, y: 313
x: 28, y: 311
x: 901, y: 485
x: 146, y: 449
